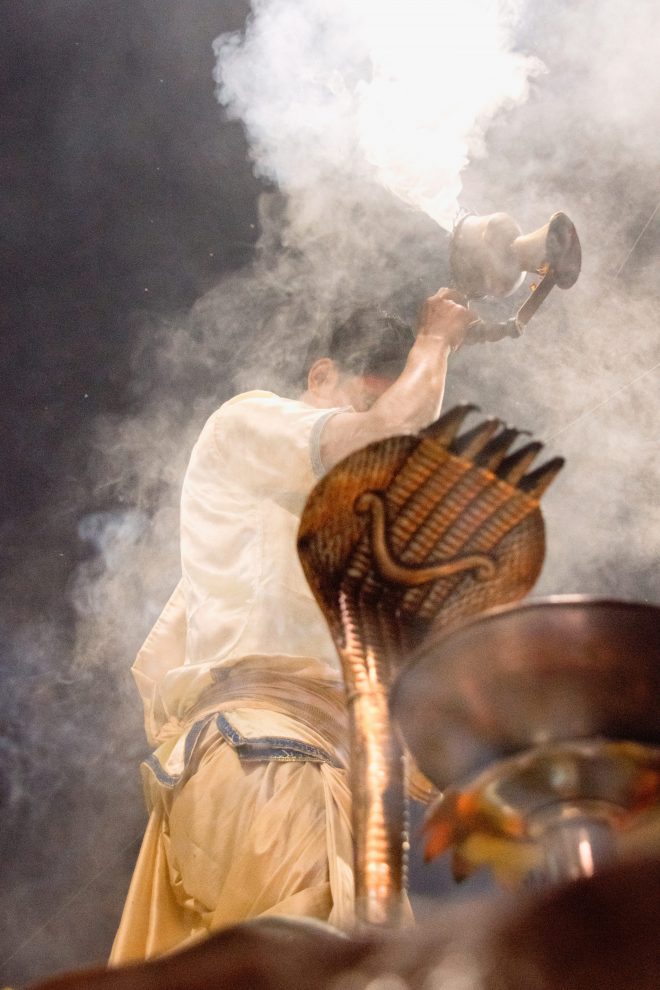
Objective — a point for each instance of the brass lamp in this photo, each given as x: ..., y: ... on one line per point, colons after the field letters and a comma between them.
x: 490, y: 256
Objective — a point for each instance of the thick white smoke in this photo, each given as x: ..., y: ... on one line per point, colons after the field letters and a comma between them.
x: 346, y: 104
x: 362, y: 114
x: 398, y: 93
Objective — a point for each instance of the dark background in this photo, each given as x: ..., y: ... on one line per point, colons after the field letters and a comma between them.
x: 125, y: 195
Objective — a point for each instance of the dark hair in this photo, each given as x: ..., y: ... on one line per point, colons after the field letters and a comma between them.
x: 369, y: 342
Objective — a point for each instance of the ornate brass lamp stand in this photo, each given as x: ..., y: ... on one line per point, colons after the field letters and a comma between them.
x: 541, y: 725
x: 404, y: 533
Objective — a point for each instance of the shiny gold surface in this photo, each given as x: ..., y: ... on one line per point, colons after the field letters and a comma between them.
x: 557, y: 812
x: 546, y: 671
x: 406, y: 532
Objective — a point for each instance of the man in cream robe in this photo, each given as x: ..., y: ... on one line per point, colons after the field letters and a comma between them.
x: 243, y: 694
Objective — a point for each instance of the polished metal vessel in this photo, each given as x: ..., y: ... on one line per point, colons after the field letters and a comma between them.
x: 490, y: 256
x: 541, y: 725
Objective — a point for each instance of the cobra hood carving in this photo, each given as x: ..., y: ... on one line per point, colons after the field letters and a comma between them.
x: 410, y: 533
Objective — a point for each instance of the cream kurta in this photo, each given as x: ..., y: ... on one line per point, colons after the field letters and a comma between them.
x: 243, y: 698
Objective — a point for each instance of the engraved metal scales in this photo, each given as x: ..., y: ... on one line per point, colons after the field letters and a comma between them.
x: 410, y: 533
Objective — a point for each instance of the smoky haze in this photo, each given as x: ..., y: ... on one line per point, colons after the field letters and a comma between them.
x: 340, y: 218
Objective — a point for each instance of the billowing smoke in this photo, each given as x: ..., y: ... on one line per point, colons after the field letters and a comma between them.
x: 399, y: 95
x: 586, y: 375
x: 352, y: 112
x: 366, y: 120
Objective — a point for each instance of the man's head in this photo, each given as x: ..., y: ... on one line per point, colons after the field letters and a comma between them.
x: 361, y: 359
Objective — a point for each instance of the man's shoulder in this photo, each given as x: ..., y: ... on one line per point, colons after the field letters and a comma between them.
x: 252, y: 414
x: 254, y: 395
x: 257, y: 399
x: 262, y: 440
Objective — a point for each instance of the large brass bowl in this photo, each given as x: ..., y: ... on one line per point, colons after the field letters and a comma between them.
x: 551, y: 670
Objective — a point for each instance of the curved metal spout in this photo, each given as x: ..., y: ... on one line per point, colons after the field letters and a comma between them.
x: 490, y: 255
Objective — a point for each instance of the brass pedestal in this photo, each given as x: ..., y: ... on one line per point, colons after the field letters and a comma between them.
x: 540, y: 723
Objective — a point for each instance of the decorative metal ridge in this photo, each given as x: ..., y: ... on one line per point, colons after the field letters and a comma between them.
x: 408, y: 534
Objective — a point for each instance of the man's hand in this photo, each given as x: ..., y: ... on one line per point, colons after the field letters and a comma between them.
x: 414, y: 399
x: 445, y: 316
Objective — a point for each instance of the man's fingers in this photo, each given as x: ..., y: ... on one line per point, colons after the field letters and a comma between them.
x: 446, y: 315
x: 453, y: 295
x: 444, y: 301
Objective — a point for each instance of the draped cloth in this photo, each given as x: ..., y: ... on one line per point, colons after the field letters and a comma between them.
x: 250, y: 815
x: 243, y: 700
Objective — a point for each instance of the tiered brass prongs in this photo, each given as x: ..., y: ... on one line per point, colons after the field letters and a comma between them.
x: 406, y: 533
x: 496, y: 449
x: 471, y: 443
x: 513, y: 467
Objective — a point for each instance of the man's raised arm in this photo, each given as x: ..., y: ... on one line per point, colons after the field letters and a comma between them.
x: 415, y: 397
